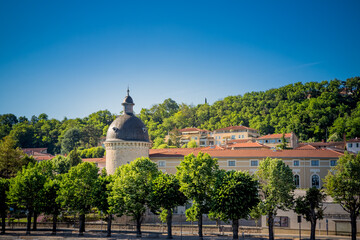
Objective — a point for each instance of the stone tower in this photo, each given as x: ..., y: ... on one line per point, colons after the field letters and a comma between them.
x: 127, y: 138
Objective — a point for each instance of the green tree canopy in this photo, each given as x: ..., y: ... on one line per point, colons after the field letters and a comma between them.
x: 12, y: 159
x: 77, y: 190
x: 197, y: 176
x: 236, y: 193
x: 311, y: 207
x: 26, y: 190
x: 71, y: 140
x: 130, y: 191
x: 343, y: 184
x: 166, y: 195
x: 276, y: 189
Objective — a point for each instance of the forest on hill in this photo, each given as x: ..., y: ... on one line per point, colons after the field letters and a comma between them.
x: 314, y: 111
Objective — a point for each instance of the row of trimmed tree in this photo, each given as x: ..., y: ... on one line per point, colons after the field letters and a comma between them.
x: 139, y: 185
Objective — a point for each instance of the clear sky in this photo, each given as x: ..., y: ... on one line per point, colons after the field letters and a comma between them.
x: 72, y: 58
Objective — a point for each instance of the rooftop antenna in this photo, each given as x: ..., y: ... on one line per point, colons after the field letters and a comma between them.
x: 128, y: 91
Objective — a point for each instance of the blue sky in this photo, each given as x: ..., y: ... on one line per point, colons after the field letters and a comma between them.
x: 72, y: 58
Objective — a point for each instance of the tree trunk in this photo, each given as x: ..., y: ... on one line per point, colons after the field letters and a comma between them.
x: 54, y: 224
x: 200, y: 226
x: 28, y: 224
x: 271, y: 226
x: 235, y: 227
x: 82, y: 224
x: 3, y: 219
x: 169, y: 222
x: 109, y: 225
x: 313, y: 229
x: 35, y: 221
x: 138, y: 226
x: 353, y: 225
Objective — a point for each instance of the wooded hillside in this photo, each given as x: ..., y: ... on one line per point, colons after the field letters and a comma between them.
x: 314, y: 111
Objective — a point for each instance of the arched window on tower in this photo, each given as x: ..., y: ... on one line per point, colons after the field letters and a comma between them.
x: 315, y: 181
x: 297, y: 180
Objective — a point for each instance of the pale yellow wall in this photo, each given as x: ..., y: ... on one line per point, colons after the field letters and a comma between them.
x: 120, y: 152
x: 305, y: 170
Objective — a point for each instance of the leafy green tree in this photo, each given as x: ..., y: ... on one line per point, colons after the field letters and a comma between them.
x: 4, y: 187
x: 102, y: 193
x: 12, y: 159
x: 77, y: 190
x: 23, y: 134
x: 166, y: 195
x: 61, y: 164
x: 71, y: 140
x: 130, y: 191
x: 26, y: 191
x: 197, y: 176
x: 342, y: 183
x: 276, y: 189
x: 6, y: 123
x: 283, y: 144
x: 192, y: 144
x: 74, y: 158
x: 236, y: 193
x: 311, y: 207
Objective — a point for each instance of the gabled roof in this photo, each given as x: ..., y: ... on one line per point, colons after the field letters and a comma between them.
x: 234, y: 128
x: 233, y: 141
x: 353, y: 140
x: 306, y: 147
x: 275, y: 135
x: 291, y: 153
x: 249, y: 145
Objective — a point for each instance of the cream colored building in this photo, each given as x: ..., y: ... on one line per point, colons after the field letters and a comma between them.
x: 223, y: 135
x: 309, y: 166
x: 273, y: 140
x: 200, y: 136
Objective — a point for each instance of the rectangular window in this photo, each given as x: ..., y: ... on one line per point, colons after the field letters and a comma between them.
x: 272, y: 141
x: 162, y: 163
x: 279, y: 140
x: 296, y: 163
x: 357, y: 145
x: 333, y: 163
x: 231, y: 163
x: 254, y: 163
x: 239, y: 136
x: 242, y: 136
x: 232, y: 136
x: 314, y: 163
x: 350, y: 145
x: 260, y: 141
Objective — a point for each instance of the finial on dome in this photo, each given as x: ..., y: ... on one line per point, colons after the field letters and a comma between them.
x: 128, y: 104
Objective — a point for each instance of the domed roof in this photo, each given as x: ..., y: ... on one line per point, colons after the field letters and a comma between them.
x: 128, y: 128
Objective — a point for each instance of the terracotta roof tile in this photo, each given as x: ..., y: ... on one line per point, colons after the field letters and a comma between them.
x: 181, y: 152
x: 248, y: 145
x: 276, y: 135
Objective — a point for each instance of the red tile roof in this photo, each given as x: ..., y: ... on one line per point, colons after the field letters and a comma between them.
x: 238, y: 141
x: 181, y: 152
x: 234, y: 128
x: 354, y: 140
x: 276, y: 135
x: 248, y: 145
x: 323, y: 144
x: 216, y: 147
x: 306, y: 147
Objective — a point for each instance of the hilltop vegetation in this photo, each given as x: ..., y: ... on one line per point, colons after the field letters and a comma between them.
x: 313, y: 110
